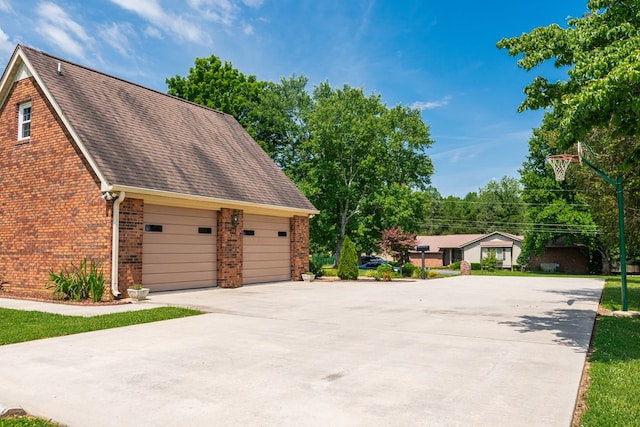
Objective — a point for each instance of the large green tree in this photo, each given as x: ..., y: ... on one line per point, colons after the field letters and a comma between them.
x: 601, y: 52
x: 358, y: 148
x: 500, y: 207
x: 556, y: 210
x: 218, y: 85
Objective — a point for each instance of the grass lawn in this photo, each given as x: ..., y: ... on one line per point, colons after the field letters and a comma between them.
x: 26, y: 422
x: 19, y: 326
x: 612, y: 397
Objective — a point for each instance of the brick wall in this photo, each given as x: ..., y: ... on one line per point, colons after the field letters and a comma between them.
x: 51, y: 213
x: 230, y: 249
x: 299, y: 231
x: 571, y: 259
x: 130, y: 244
x: 431, y: 259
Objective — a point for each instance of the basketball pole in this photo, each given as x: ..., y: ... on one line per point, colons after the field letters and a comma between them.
x: 623, y: 252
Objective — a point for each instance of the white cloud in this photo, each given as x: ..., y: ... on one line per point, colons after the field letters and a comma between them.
x: 153, y: 32
x: 430, y: 105
x: 152, y: 11
x: 56, y: 26
x: 5, y: 6
x: 6, y: 47
x: 117, y: 36
x: 247, y: 29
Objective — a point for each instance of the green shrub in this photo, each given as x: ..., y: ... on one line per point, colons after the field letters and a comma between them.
x: 476, y: 266
x: 77, y: 282
x: 432, y: 274
x: 348, y: 265
x: 490, y: 261
x: 407, y: 269
x: 455, y: 265
x: 383, y: 272
x: 315, y: 265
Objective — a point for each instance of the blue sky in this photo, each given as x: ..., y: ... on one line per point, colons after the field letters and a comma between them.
x: 439, y: 56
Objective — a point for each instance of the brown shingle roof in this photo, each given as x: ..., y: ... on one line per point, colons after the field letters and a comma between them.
x: 142, y: 138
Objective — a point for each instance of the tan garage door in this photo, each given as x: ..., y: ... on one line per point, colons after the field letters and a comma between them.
x: 179, y: 248
x: 266, y: 249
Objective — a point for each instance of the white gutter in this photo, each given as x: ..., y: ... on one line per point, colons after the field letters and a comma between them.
x: 115, y: 242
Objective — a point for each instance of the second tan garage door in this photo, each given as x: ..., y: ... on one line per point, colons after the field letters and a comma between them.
x: 179, y: 248
x: 266, y: 249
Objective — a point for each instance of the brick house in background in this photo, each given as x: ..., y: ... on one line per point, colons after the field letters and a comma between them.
x: 444, y: 250
x: 161, y: 191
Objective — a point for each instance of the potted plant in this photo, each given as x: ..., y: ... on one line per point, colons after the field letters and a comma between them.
x: 308, y: 276
x: 137, y: 292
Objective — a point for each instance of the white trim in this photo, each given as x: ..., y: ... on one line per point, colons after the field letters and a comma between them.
x: 115, y: 244
x: 226, y: 203
x: 21, y: 121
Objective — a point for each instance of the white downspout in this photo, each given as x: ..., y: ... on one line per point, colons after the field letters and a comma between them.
x: 115, y: 236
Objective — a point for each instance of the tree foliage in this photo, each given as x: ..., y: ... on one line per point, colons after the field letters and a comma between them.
x: 218, y: 85
x: 601, y: 51
x: 555, y: 209
x: 348, y: 265
x: 398, y: 243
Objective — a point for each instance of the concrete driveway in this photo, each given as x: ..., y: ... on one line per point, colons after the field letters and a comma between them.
x: 481, y: 351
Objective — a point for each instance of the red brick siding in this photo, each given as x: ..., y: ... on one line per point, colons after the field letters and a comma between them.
x: 230, y: 249
x: 299, y: 231
x: 52, y: 214
x: 571, y: 259
x: 431, y: 259
x: 130, y: 243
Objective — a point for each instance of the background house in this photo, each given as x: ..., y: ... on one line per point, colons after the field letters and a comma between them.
x: 444, y: 250
x: 161, y: 191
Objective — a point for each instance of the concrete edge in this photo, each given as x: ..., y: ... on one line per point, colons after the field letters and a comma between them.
x: 7, y: 411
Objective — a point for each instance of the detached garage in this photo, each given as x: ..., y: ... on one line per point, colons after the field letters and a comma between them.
x: 157, y: 190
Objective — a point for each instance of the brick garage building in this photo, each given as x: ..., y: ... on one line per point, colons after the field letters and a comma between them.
x: 95, y: 167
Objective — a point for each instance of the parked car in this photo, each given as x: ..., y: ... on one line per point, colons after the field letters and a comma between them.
x: 374, y: 264
x: 367, y: 258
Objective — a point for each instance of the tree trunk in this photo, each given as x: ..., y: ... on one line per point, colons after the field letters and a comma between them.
x: 338, y: 251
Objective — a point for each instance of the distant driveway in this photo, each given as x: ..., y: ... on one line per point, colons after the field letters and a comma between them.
x: 460, y: 351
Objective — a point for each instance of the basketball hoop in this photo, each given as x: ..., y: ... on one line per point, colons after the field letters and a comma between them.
x: 560, y: 163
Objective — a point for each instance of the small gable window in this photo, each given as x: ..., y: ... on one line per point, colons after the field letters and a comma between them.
x: 24, y: 121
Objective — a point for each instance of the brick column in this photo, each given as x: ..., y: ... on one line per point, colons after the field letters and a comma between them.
x: 130, y: 243
x: 299, y: 227
x: 230, y: 249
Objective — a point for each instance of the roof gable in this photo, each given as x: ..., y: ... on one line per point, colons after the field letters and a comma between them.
x: 459, y: 241
x: 139, y: 138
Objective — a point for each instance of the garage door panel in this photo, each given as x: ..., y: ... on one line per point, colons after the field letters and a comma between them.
x: 158, y: 258
x: 266, y: 255
x: 179, y: 257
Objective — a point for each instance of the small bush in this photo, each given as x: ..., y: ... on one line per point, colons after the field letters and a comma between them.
x: 476, y: 266
x: 348, y: 265
x: 315, y: 266
x: 383, y: 272
x: 432, y: 274
x: 489, y: 262
x: 407, y: 269
x: 77, y: 282
x: 455, y: 265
